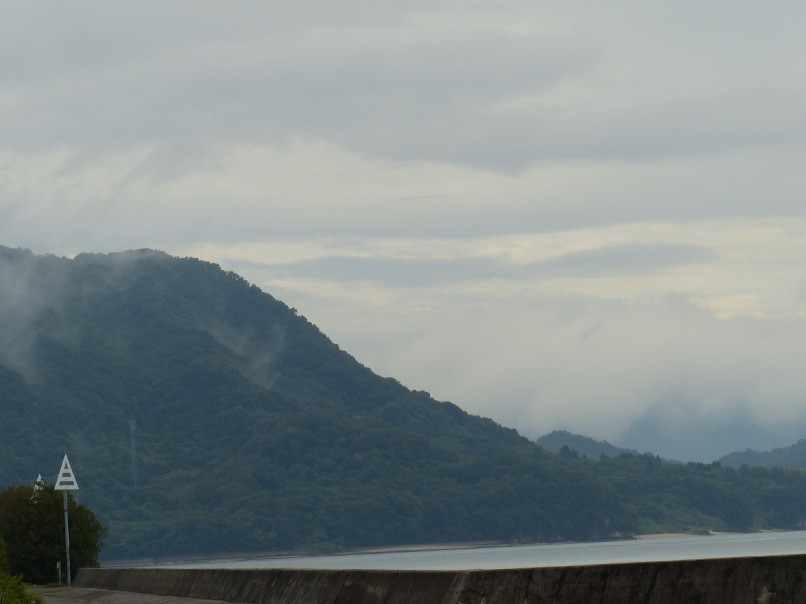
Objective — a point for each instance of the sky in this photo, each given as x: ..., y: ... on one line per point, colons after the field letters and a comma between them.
x: 560, y: 215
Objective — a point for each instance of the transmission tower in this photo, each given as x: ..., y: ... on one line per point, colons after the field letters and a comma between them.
x: 132, y: 429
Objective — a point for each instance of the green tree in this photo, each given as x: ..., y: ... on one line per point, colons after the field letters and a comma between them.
x: 32, y: 526
x: 12, y: 591
x: 3, y: 557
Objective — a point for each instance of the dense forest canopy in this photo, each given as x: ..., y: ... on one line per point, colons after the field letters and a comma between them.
x: 203, y: 416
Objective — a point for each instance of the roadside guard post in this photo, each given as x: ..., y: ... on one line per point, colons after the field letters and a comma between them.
x: 66, y: 482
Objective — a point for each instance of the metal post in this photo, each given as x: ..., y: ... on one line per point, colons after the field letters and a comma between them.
x: 66, y: 482
x: 59, y: 571
x: 67, y: 540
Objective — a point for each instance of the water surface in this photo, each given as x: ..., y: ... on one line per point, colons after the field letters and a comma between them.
x: 531, y: 556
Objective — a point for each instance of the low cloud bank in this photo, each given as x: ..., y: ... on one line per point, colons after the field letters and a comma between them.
x: 661, y: 375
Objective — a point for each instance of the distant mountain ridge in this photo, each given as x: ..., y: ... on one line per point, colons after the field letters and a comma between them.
x: 793, y: 456
x: 254, y: 432
x: 583, y: 445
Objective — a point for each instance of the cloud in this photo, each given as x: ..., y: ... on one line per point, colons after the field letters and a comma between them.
x: 628, y: 258
x: 624, y: 372
x: 262, y: 75
x: 27, y: 289
x: 503, y: 87
x: 391, y: 271
x: 430, y: 271
x: 168, y: 198
x: 472, y: 183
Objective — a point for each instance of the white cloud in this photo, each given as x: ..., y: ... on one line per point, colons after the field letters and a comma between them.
x: 471, y: 184
x: 597, y: 368
x: 502, y: 85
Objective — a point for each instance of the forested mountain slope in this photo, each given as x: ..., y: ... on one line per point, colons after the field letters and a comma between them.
x: 793, y: 456
x: 562, y: 441
x: 255, y: 432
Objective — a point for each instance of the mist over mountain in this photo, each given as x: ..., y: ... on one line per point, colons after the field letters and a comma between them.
x: 203, y: 416
x: 678, y: 429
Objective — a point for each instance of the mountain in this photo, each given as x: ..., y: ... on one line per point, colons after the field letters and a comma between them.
x: 202, y: 416
x: 559, y: 441
x: 252, y: 430
x: 793, y: 456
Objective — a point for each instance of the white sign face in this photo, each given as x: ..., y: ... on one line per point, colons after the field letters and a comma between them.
x: 66, y: 480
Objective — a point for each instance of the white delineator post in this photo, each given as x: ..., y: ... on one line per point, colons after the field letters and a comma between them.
x: 66, y: 482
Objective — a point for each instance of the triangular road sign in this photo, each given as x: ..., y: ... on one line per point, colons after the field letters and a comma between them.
x: 66, y: 480
x: 38, y: 486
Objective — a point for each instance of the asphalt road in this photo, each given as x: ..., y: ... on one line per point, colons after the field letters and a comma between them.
x: 76, y: 595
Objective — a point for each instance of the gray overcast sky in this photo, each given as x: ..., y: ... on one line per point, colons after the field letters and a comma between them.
x: 568, y: 214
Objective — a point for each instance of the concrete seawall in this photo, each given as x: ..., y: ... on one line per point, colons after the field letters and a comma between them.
x: 761, y: 580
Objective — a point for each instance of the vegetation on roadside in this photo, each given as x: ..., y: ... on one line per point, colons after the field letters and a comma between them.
x: 12, y: 589
x: 32, y: 530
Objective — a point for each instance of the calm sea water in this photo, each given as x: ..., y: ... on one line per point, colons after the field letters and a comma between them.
x: 530, y: 556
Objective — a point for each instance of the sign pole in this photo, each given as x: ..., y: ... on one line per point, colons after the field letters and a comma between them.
x: 66, y: 482
x: 67, y: 539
